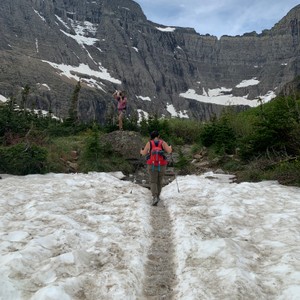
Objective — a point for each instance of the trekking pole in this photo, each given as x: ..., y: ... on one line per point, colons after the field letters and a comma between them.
x: 172, y: 160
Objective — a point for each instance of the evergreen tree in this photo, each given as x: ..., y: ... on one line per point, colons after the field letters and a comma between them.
x: 25, y: 93
x: 73, y: 110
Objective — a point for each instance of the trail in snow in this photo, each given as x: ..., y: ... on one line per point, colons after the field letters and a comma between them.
x: 160, y: 268
x: 94, y: 236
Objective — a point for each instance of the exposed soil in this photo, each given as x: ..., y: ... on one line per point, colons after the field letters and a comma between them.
x: 160, y: 269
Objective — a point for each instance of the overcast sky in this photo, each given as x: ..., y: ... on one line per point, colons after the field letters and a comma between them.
x: 218, y: 17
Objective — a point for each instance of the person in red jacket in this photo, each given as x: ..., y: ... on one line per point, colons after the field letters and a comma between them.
x: 122, y: 102
x: 157, y: 163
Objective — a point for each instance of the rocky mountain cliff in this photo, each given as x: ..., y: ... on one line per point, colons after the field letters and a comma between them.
x: 109, y: 44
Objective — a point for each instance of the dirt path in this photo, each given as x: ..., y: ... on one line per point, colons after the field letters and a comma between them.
x: 160, y: 269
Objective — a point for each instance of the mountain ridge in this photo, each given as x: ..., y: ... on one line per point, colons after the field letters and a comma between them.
x: 108, y: 45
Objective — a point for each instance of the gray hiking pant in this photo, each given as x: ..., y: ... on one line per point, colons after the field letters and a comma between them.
x: 156, y: 179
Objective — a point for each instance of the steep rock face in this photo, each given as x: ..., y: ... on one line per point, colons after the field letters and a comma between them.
x: 109, y: 44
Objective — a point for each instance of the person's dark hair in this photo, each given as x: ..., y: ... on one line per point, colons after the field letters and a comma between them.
x: 122, y: 94
x: 154, y: 134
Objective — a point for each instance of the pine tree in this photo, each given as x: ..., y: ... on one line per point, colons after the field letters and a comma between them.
x: 73, y: 110
x: 25, y: 93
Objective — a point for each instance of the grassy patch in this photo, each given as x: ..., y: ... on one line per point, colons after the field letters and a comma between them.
x: 61, y: 150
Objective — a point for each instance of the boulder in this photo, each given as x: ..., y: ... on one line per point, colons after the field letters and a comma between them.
x: 127, y: 143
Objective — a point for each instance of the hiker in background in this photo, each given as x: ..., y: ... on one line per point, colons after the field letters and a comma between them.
x: 157, y: 163
x: 122, y: 102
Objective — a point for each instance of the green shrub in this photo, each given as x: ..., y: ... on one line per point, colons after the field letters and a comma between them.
x: 177, y: 140
x: 100, y: 157
x: 276, y: 130
x: 286, y: 172
x: 23, y: 159
x: 183, y: 164
x: 219, y: 135
x: 197, y: 147
x: 208, y: 134
x: 130, y: 123
x: 184, y: 131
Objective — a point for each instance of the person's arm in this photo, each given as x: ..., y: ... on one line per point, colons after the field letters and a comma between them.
x: 116, y: 94
x: 146, y: 149
x: 166, y: 147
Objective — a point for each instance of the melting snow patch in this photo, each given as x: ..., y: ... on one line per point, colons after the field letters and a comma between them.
x: 249, y: 82
x: 68, y: 70
x: 234, y: 239
x: 2, y: 98
x: 220, y: 96
x: 39, y: 15
x: 142, y: 115
x: 45, y: 85
x: 144, y: 98
x: 218, y: 92
x: 81, y: 40
x: 171, y: 109
x: 62, y: 22
x: 83, y: 31
x: 268, y: 97
x: 71, y: 236
x: 123, y: 7
x: 166, y: 29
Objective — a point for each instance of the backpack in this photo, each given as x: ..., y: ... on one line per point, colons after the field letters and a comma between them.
x: 156, y: 157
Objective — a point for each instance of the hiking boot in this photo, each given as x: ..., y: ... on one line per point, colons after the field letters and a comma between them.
x: 155, y: 201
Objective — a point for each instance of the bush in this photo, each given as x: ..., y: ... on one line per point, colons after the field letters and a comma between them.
x: 21, y: 159
x: 184, y: 131
x: 94, y: 150
x: 207, y: 136
x: 176, y: 131
x: 130, y: 123
x: 220, y: 136
x: 183, y: 164
x: 100, y: 157
x: 286, y: 173
x: 277, y: 130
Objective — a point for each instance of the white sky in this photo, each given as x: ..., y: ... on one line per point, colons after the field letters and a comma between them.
x: 65, y: 235
x: 222, y: 17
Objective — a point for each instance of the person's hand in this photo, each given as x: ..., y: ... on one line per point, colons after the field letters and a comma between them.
x: 116, y: 93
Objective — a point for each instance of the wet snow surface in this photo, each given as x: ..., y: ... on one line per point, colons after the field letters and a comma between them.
x: 86, y: 236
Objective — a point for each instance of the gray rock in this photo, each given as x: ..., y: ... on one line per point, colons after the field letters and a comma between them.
x: 126, y: 143
x: 131, y: 54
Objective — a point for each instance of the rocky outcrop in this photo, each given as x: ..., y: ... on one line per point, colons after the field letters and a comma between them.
x: 126, y: 143
x: 292, y: 88
x: 109, y: 44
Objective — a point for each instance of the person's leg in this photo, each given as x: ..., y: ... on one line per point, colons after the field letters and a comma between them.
x: 121, y: 120
x: 153, y: 178
x: 160, y: 179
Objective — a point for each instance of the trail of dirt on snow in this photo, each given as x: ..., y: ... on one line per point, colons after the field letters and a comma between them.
x: 160, y: 269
